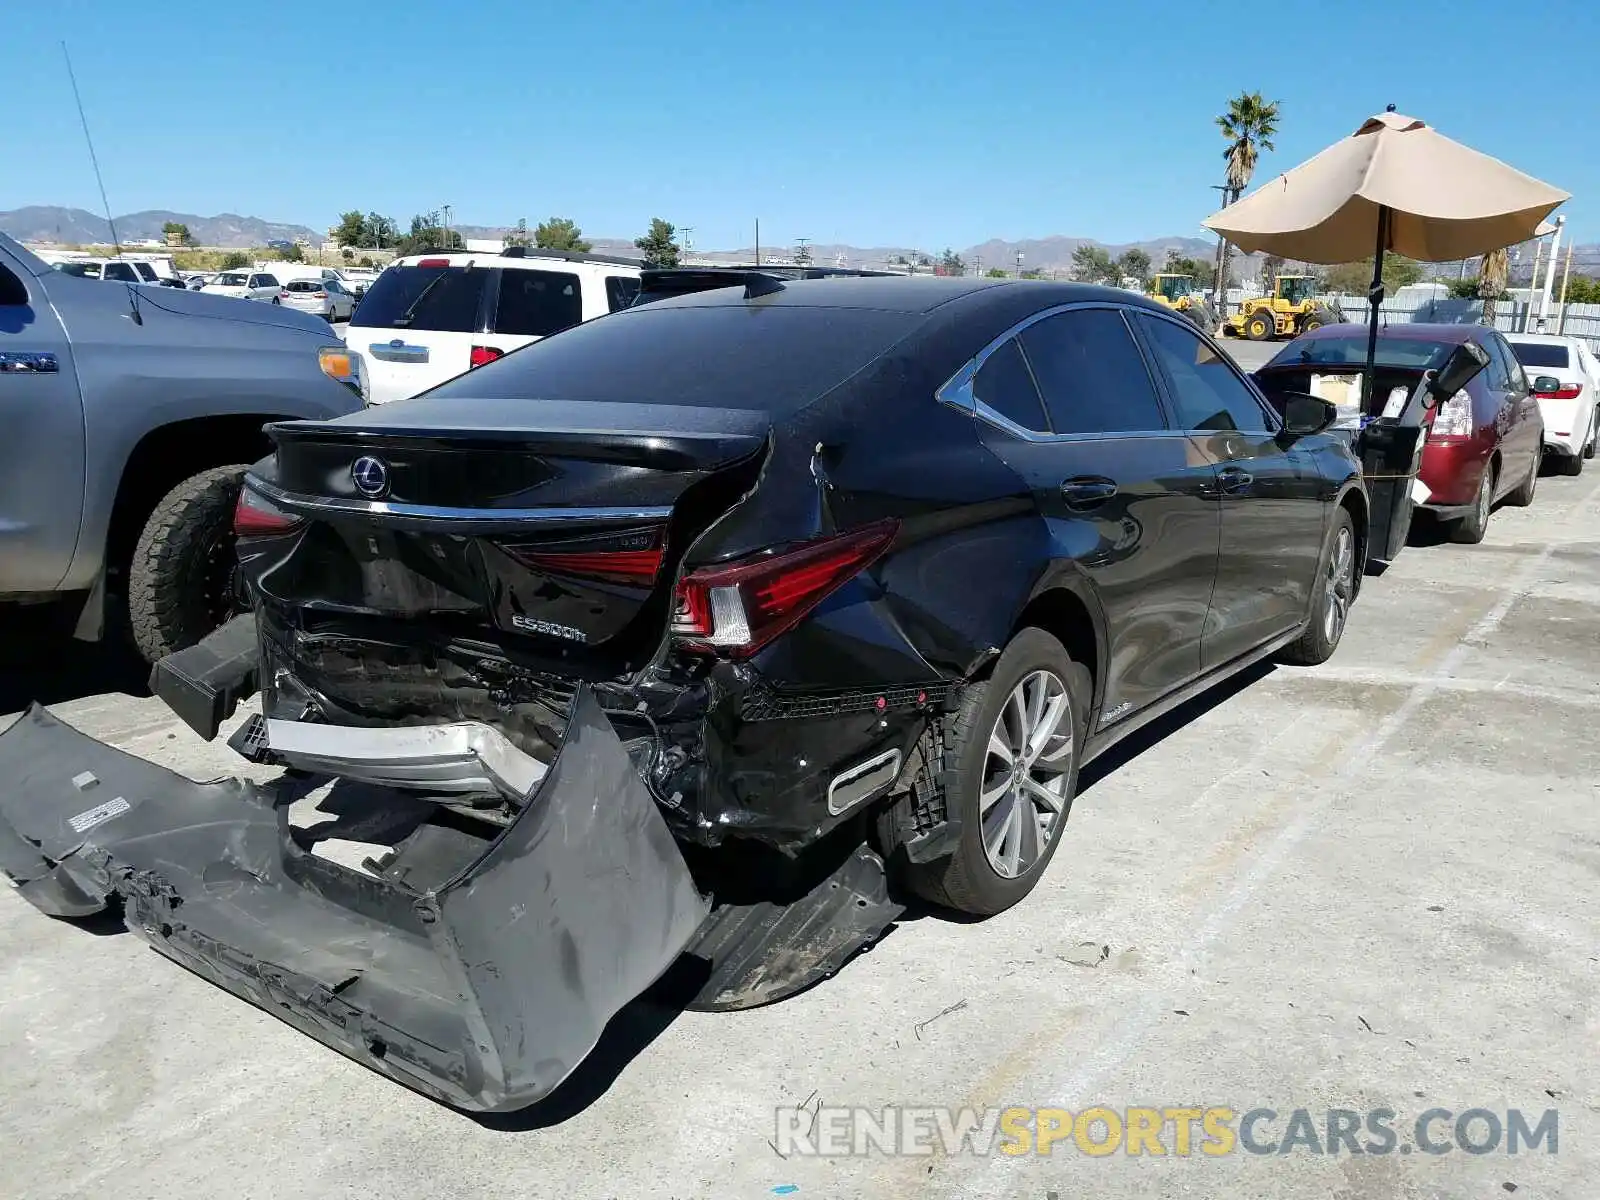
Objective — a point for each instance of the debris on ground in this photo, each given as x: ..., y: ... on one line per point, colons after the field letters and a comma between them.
x: 943, y: 1012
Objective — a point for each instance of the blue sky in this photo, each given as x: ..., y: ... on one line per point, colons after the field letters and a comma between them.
x: 925, y: 123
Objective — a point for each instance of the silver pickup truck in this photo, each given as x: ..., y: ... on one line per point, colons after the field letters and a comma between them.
x: 127, y: 417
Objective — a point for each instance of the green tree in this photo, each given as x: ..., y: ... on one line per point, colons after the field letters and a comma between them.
x: 177, y: 234
x: 659, y: 244
x: 379, y: 231
x: 1203, y: 273
x: 347, y: 254
x: 1353, y: 279
x: 352, y: 229
x: 1248, y: 124
x: 951, y: 263
x: 366, y: 261
x: 560, y: 233
x: 995, y: 273
x: 293, y: 253
x: 235, y: 259
x: 427, y: 233
x: 1092, y: 264
x: 520, y: 235
x: 1136, y: 263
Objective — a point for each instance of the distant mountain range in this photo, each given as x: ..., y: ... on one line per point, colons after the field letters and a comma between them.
x: 46, y: 223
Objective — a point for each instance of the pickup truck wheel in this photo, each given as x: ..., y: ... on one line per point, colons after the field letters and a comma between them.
x: 1013, y: 767
x: 184, y: 579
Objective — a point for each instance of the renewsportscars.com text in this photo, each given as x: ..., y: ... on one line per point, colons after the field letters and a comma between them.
x: 1180, y: 1131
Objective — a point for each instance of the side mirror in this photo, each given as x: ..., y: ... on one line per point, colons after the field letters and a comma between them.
x: 1305, y: 414
x: 1460, y: 369
x: 1546, y: 383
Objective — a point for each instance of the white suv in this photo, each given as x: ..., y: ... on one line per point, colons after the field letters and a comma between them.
x: 431, y: 317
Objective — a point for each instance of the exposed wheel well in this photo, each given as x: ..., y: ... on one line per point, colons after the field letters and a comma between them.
x: 1065, y: 617
x: 168, y: 455
x: 1354, y: 503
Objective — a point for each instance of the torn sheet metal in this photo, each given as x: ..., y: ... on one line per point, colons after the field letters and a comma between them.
x: 483, y: 990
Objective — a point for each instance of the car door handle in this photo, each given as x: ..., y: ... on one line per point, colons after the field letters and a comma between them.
x: 1087, y: 491
x: 28, y: 363
x: 1232, y: 481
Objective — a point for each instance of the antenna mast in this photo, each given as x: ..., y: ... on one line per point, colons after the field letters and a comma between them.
x: 116, y: 244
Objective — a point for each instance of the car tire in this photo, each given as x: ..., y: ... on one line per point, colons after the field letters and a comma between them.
x: 1572, y: 464
x: 971, y: 879
x: 1335, y: 593
x: 183, y: 581
x: 1523, y: 496
x: 1469, y: 530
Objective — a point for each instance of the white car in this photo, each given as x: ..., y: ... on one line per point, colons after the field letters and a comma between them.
x: 1569, y: 399
x: 245, y: 285
x: 431, y: 317
x: 325, y: 297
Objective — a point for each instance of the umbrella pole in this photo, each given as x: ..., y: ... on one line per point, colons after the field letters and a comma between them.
x: 1375, y: 299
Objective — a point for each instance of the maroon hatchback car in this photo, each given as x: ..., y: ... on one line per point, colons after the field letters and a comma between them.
x: 1483, y: 443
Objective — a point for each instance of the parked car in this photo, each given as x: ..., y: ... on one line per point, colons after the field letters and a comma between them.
x: 1566, y: 382
x: 1483, y: 444
x: 245, y: 285
x: 130, y: 414
x: 359, y: 279
x: 672, y: 617
x: 325, y: 297
x: 430, y: 317
x: 198, y: 281
x: 115, y: 270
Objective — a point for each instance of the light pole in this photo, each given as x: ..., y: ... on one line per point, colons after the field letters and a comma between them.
x: 1019, y: 264
x: 687, y: 230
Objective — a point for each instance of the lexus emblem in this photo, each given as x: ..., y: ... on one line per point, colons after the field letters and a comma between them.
x: 371, y: 476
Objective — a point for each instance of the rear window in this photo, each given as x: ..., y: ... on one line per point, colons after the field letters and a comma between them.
x: 445, y: 299
x: 621, y: 292
x: 724, y: 356
x: 1540, y: 354
x: 305, y: 285
x: 1352, y: 351
x: 230, y: 280
x: 537, y: 303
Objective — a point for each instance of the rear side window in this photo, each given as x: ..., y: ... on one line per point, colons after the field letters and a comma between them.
x: 537, y: 303
x: 146, y: 272
x: 120, y: 271
x: 1540, y: 354
x: 621, y: 291
x: 1499, y: 371
x: 1004, y: 385
x: 1207, y: 393
x: 444, y: 299
x: 1091, y: 373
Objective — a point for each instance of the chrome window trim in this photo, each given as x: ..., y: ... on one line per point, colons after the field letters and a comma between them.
x: 431, y: 512
x: 957, y: 390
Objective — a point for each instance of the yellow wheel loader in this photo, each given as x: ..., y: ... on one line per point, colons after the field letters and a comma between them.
x: 1178, y: 293
x: 1291, y: 310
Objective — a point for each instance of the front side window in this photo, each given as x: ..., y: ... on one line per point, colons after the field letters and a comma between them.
x: 1005, y: 385
x: 537, y: 303
x: 1091, y: 373
x: 1498, y: 373
x: 1207, y: 393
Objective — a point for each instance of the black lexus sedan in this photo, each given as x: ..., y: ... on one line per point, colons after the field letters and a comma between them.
x: 917, y: 548
x: 694, y: 636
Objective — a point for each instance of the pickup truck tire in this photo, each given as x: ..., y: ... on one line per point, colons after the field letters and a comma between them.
x: 183, y: 579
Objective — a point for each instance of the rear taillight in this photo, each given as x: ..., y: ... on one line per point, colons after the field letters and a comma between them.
x: 1453, y: 418
x: 737, y: 609
x: 434, y: 262
x: 637, y: 567
x: 284, y: 295
x: 256, y: 516
x: 1570, y: 391
x: 486, y: 354
x: 319, y: 295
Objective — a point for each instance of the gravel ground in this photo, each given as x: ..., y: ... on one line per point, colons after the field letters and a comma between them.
x: 1366, y: 885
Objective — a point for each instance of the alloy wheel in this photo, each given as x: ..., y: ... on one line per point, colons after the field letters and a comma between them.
x: 1340, y: 583
x: 1027, y: 765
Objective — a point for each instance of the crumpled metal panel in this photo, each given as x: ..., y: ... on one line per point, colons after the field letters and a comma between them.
x: 484, y: 991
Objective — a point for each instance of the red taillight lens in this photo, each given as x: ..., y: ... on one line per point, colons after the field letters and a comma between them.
x: 1571, y: 392
x: 434, y: 262
x: 638, y: 567
x: 486, y: 354
x: 738, y: 609
x: 283, y: 295
x: 254, y: 516
x: 319, y: 295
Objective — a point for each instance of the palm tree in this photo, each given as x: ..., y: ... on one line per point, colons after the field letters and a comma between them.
x: 1491, y: 282
x: 1248, y: 124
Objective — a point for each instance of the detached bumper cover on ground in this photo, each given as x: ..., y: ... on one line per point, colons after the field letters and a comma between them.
x: 483, y: 985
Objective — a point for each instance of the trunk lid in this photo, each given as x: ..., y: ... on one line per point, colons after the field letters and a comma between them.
x: 556, y: 525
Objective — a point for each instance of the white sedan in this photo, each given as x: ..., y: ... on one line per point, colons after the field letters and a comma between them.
x: 1564, y: 376
x: 326, y: 298
x: 245, y: 285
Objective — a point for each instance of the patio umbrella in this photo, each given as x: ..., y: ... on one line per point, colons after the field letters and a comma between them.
x: 1395, y: 184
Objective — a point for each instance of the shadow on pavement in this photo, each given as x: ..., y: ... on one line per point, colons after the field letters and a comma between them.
x: 40, y: 662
